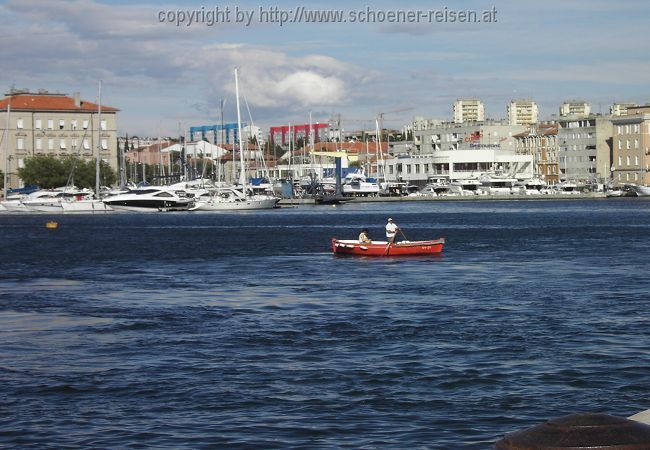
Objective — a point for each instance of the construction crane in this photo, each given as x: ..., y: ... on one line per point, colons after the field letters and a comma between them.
x: 380, y: 118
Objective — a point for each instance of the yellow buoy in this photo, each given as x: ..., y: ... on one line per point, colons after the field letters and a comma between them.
x: 51, y: 224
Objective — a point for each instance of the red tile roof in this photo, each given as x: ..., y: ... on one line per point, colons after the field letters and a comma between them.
x: 49, y: 102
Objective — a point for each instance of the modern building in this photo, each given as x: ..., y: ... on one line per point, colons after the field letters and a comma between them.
x: 469, y: 110
x: 447, y: 151
x: 522, y: 112
x: 540, y: 141
x: 488, y: 134
x: 575, y: 108
x: 631, y: 147
x: 620, y: 109
x: 45, y: 123
x: 584, y: 148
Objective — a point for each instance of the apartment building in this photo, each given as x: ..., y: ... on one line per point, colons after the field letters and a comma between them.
x: 469, y: 110
x: 620, y: 109
x: 44, y: 123
x: 575, y: 108
x: 522, y: 112
x: 584, y: 148
x: 540, y: 141
x: 631, y: 147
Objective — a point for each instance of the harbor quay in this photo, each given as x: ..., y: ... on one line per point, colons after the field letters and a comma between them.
x: 287, y: 202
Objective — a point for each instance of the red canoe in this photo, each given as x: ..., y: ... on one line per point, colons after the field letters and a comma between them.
x: 381, y: 248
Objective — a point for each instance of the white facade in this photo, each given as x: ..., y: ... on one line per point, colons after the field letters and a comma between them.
x: 458, y: 165
x: 522, y: 112
x: 469, y: 110
x: 575, y: 108
x: 620, y: 109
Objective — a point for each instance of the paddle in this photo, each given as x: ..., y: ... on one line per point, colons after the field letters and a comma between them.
x: 387, y: 248
x: 400, y: 230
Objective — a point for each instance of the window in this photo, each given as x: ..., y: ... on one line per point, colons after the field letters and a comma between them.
x: 636, y: 160
x: 50, y: 144
x: 73, y: 124
x: 86, y: 144
x: 62, y: 144
x: 50, y: 124
x: 85, y: 124
x: 39, y: 124
x: 636, y: 176
x: 620, y: 161
x: 104, y: 144
x: 61, y: 124
x: 73, y: 143
x: 19, y: 124
x: 627, y: 144
x: 39, y: 144
x: 636, y: 143
x: 627, y: 160
x: 103, y: 125
x: 20, y: 144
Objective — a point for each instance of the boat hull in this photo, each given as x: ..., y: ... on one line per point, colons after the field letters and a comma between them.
x: 147, y: 206
x: 641, y: 191
x: 85, y: 207
x: 381, y: 248
x: 239, y: 205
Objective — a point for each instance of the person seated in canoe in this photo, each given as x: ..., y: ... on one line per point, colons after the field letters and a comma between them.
x: 391, y: 231
x: 364, y: 237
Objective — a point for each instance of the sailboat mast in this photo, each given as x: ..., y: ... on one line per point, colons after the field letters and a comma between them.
x: 6, y: 174
x: 99, y: 138
x: 242, y: 173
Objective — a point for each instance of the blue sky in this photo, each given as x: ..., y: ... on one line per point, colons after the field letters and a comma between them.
x: 161, y: 75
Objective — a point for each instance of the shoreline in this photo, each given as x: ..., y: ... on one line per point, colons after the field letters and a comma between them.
x: 464, y: 198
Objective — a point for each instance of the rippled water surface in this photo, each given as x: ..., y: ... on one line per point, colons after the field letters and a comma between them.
x: 242, y: 330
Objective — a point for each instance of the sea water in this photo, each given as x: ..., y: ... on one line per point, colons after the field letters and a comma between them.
x: 242, y: 330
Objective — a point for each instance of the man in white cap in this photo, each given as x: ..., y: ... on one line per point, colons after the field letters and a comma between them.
x: 391, y: 231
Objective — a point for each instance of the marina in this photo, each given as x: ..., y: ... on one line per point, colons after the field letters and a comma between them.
x: 336, y: 226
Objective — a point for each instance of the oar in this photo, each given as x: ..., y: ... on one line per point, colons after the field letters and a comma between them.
x: 400, y: 230
x: 387, y: 248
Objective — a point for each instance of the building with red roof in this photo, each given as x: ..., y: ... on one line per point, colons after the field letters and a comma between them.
x: 55, y: 124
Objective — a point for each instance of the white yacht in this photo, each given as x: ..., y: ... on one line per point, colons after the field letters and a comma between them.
x: 150, y: 199
x: 232, y: 199
x: 467, y: 186
x: 356, y: 184
x: 51, y: 201
x: 640, y: 190
x: 492, y: 184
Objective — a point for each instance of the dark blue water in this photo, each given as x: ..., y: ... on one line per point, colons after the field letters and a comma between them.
x: 190, y: 331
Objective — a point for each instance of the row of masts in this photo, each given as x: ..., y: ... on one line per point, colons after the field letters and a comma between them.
x: 242, y: 163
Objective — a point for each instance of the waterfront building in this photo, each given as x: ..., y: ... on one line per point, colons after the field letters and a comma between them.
x: 540, y: 141
x: 631, y: 147
x: 584, y: 148
x: 497, y: 134
x: 620, y: 109
x: 522, y: 112
x: 45, y: 123
x: 448, y: 151
x: 469, y: 110
x: 575, y: 108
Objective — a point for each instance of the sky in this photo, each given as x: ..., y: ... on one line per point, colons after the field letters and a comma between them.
x: 165, y: 75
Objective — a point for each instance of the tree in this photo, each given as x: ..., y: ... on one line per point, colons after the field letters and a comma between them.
x: 49, y: 172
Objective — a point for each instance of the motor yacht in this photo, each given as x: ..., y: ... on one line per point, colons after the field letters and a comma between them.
x: 150, y: 199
